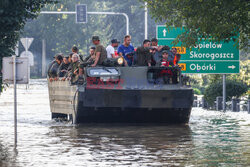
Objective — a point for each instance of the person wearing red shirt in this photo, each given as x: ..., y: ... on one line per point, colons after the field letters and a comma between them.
x: 177, y: 58
x: 166, y: 74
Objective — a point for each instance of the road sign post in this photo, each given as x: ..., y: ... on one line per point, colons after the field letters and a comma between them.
x: 15, y: 100
x: 22, y: 70
x: 15, y: 71
x: 224, y: 92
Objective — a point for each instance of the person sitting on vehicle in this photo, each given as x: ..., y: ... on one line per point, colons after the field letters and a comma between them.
x: 69, y: 67
x: 174, y: 53
x: 126, y: 50
x: 63, y: 68
x: 111, y: 48
x: 100, y: 52
x: 74, y: 49
x: 50, y: 65
x: 91, y: 58
x: 70, y: 61
x: 175, y: 72
x: 177, y: 59
x: 73, y: 74
x: 154, y: 44
x: 70, y: 57
x: 164, y: 61
x: 92, y: 51
x: 157, y: 55
x: 153, y: 51
x: 166, y: 74
x: 143, y: 55
x: 52, y: 73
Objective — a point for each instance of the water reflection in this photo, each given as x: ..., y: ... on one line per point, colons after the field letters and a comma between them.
x: 128, y: 145
x: 7, y: 156
x: 4, y: 155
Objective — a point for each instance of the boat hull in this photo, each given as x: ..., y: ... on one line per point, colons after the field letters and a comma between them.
x: 134, y: 106
x: 133, y: 115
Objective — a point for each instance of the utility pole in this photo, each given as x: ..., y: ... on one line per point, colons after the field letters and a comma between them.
x: 43, y: 58
x: 146, y: 20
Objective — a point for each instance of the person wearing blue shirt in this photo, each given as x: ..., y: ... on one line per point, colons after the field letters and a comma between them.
x: 126, y: 50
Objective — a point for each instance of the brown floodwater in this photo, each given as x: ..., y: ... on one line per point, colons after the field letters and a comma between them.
x: 211, y: 138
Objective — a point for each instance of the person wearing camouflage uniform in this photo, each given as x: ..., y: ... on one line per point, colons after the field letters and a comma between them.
x: 74, y: 73
x: 52, y: 71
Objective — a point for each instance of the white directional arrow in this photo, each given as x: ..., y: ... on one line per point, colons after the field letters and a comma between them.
x: 164, y: 32
x: 232, y: 67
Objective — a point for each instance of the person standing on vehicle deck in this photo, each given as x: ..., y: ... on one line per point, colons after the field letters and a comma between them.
x: 74, y: 73
x: 63, y: 68
x: 111, y: 48
x: 52, y: 72
x: 143, y: 55
x: 126, y: 50
x: 157, y: 55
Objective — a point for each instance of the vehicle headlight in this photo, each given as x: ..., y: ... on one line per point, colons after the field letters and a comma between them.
x: 120, y: 60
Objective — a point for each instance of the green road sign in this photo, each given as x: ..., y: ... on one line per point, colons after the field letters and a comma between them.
x: 210, y: 67
x: 207, y: 51
x: 163, y: 33
x: 221, y: 54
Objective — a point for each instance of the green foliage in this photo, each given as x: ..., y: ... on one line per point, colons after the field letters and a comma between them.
x: 248, y: 93
x: 14, y: 14
x: 233, y: 89
x: 197, y: 91
x: 197, y: 83
x: 214, y: 78
x: 244, y: 73
x: 220, y: 19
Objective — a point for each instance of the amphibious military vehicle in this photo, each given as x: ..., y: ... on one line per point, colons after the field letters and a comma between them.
x: 123, y: 95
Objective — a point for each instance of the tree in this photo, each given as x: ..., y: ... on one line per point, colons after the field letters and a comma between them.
x: 13, y: 16
x: 244, y: 74
x: 215, y: 20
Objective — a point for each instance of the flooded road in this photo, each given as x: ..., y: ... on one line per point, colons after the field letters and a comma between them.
x: 210, y: 139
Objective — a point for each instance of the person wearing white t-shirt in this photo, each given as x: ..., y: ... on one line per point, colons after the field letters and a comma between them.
x: 111, y: 48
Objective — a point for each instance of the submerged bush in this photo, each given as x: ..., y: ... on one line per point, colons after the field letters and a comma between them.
x: 233, y: 89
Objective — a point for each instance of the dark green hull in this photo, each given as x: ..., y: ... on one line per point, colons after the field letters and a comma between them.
x: 134, y: 106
